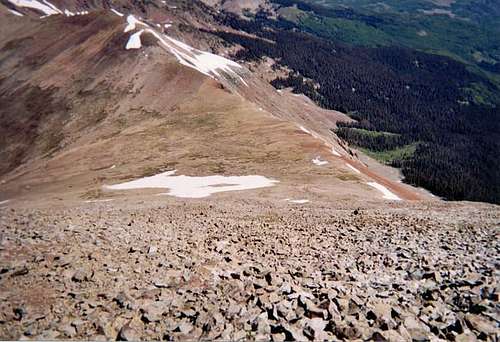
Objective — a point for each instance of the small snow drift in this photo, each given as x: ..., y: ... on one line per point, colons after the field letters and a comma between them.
x: 319, y: 162
x: 131, y: 22
x: 335, y: 153
x: 387, y: 194
x: 134, y: 42
x: 298, y: 201
x: 4, y: 202
x: 195, y: 187
x: 116, y: 12
x: 305, y: 130
x: 16, y: 13
x: 45, y: 7
x: 352, y: 168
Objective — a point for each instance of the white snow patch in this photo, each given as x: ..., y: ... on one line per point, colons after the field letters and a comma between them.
x: 167, y: 25
x: 335, y: 153
x: 45, y: 7
x: 101, y: 200
x: 195, y: 187
x: 315, y: 135
x: 303, y: 129
x: 116, y: 12
x: 16, y: 13
x: 68, y: 13
x: 4, y: 202
x: 131, y: 22
x: 319, y: 162
x: 205, y: 62
x: 298, y: 201
x: 387, y: 194
x: 352, y: 168
x: 134, y: 42
x: 112, y: 167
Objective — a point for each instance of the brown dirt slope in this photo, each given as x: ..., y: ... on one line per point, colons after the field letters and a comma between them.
x: 78, y: 103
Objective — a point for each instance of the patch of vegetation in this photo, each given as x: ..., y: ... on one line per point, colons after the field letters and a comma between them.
x: 479, y: 94
x: 392, y: 157
x: 92, y: 194
x: 375, y: 134
x: 374, y: 140
x: 347, y: 177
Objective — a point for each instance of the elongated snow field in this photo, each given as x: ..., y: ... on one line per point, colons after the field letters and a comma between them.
x: 352, y: 168
x: 45, y: 7
x: 305, y: 130
x: 387, y: 193
x: 335, y: 153
x: 116, y: 12
x: 195, y: 187
x: 297, y: 201
x: 205, y: 62
x: 16, y: 13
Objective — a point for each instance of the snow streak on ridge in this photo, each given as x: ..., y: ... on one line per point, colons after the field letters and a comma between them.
x: 45, y: 7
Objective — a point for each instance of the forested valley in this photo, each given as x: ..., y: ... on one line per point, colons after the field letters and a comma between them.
x: 399, y: 97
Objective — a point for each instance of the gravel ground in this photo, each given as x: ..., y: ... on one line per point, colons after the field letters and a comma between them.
x: 250, y: 270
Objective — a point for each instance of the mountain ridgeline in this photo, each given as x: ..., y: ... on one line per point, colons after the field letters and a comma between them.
x: 402, y: 99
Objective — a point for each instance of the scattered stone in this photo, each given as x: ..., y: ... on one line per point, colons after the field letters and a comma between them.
x: 81, y: 275
x: 481, y: 324
x: 128, y: 334
x: 315, y: 329
x: 20, y: 272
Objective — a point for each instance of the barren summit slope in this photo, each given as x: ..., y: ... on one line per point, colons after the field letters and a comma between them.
x: 311, y: 246
x: 236, y: 269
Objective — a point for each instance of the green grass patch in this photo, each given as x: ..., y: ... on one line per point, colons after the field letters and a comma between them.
x: 389, y: 156
x: 480, y: 94
x: 374, y: 134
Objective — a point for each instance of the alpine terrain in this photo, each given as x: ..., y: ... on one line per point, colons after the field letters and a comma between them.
x: 247, y: 170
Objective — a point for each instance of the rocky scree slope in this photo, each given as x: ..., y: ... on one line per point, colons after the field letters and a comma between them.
x: 240, y: 269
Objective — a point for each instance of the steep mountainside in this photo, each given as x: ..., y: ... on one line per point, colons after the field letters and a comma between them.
x: 154, y: 185
x: 417, y: 81
x: 118, y: 97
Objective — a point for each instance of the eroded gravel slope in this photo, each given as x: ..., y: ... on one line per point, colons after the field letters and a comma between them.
x: 234, y: 270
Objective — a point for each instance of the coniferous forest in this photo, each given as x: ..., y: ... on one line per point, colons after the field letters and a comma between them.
x: 399, y: 97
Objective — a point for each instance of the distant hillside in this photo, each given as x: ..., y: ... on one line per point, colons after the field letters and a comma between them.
x: 445, y: 111
x: 466, y: 31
